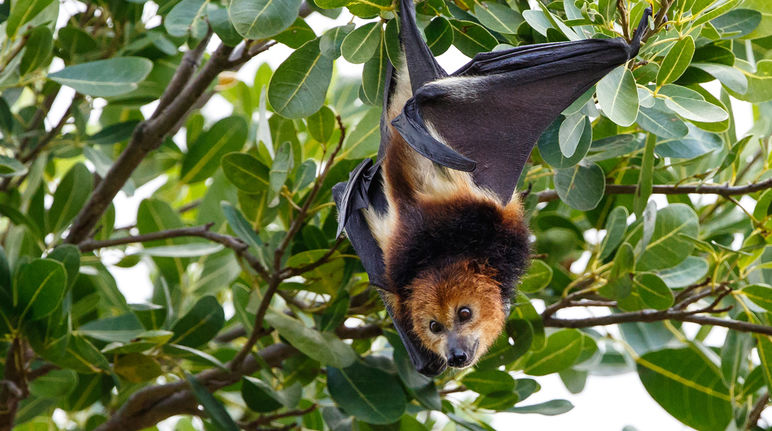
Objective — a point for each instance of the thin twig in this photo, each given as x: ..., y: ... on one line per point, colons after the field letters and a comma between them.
x: 654, y: 316
x: 758, y: 408
x: 710, y: 189
x: 267, y: 419
x: 235, y: 244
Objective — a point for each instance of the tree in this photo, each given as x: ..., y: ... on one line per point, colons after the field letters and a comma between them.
x: 649, y: 198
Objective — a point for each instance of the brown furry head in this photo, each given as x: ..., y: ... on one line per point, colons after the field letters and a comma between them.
x: 457, y: 311
x: 453, y: 265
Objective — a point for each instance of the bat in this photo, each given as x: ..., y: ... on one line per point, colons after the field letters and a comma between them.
x: 435, y: 219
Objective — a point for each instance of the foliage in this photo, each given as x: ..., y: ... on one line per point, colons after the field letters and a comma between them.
x: 252, y: 292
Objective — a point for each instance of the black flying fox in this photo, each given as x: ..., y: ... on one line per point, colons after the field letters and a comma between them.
x: 435, y: 219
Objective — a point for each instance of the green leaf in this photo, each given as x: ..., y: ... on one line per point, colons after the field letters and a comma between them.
x: 183, y: 250
x: 323, y: 347
x: 368, y: 393
x: 281, y: 167
x: 214, y: 408
x: 40, y: 287
x: 260, y: 19
x: 571, y: 132
x: 243, y: 230
x: 582, y: 186
x: 561, y: 351
x: 737, y: 23
x: 114, y: 133
x: 21, y: 13
x: 663, y: 123
x: 322, y: 124
x: 422, y: 387
x: 10, y: 167
x: 360, y: 45
x: 489, y: 381
x: 70, y: 196
x: 245, y: 172
x: 646, y: 337
x: 297, y: 34
x: 760, y: 294
x: 497, y: 400
x: 122, y: 329
x: 764, y: 348
x: 439, y: 35
x: 258, y: 395
x: 676, y: 61
x: 616, y: 226
x: 364, y: 139
x: 618, y: 97
x: 690, y: 271
x: 548, y: 408
x: 669, y: 246
x: 38, y: 50
x: 653, y: 291
x: 221, y: 24
x: 537, y: 278
x: 732, y: 78
x: 54, y: 384
x: 498, y: 17
x: 696, y: 143
x: 155, y: 215
x: 645, y: 177
x: 471, y: 38
x: 105, y: 78
x: 332, y: 39
x: 299, y: 85
x: 203, y: 157
x: 187, y: 16
x: 691, y: 105
x: 374, y: 76
x: 759, y: 79
x: 551, y: 152
x: 200, y: 324
x: 137, y: 368
x: 734, y: 353
x: 688, y: 386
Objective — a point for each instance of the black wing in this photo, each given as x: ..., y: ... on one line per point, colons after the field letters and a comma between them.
x: 494, y: 109
x: 491, y: 112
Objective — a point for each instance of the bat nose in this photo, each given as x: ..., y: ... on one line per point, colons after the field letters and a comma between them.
x: 457, y: 358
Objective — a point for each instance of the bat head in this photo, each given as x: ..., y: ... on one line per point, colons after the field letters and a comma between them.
x: 457, y: 311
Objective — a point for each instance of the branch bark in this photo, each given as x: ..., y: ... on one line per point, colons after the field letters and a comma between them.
x: 150, y: 405
x: 654, y: 316
x: 204, y: 231
x: 709, y: 189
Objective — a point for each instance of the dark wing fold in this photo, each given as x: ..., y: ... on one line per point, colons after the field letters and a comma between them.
x: 494, y: 109
x: 421, y: 64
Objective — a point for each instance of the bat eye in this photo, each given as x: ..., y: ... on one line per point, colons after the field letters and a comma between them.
x: 435, y: 327
x: 464, y: 314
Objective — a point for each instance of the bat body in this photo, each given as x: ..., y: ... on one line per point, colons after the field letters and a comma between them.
x: 435, y: 218
x: 452, y: 249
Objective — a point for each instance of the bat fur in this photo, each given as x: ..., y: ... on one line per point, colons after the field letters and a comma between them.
x: 447, y: 244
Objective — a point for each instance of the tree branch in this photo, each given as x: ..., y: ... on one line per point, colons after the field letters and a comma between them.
x: 152, y: 404
x: 710, y: 189
x: 204, y: 231
x: 654, y: 316
x: 174, y: 106
x: 758, y: 408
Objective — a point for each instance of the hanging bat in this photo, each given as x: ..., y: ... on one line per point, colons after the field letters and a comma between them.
x: 435, y: 219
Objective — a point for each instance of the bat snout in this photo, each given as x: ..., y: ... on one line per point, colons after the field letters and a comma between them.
x: 457, y: 358
x: 460, y: 351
